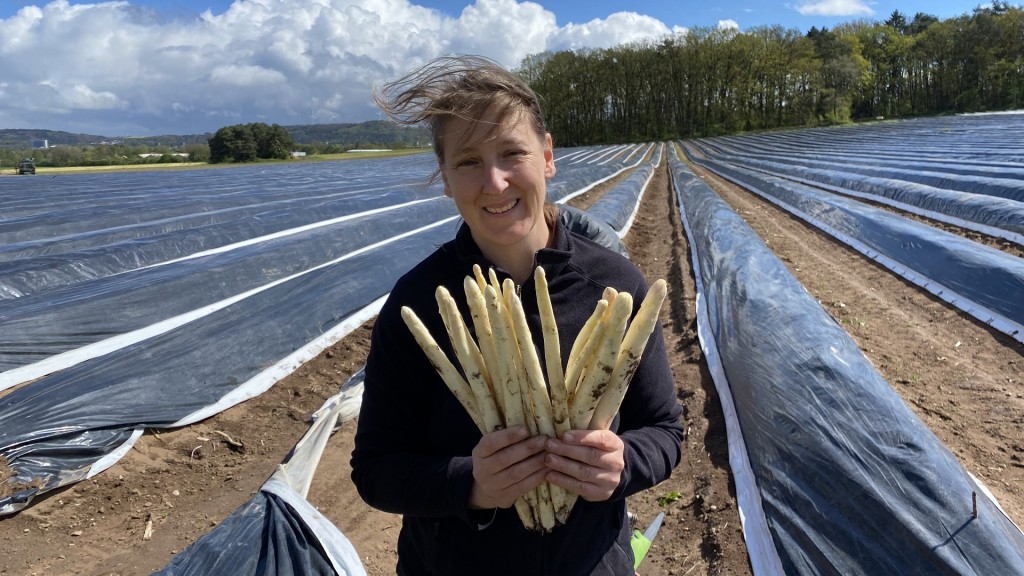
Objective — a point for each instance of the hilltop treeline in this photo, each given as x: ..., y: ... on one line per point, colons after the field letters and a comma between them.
x: 709, y: 82
x: 69, y: 149
x: 373, y: 134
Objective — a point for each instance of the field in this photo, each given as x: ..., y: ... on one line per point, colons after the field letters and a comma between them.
x: 961, y: 378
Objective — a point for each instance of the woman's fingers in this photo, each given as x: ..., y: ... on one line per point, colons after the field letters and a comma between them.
x: 499, y: 440
x: 588, y: 462
x: 506, y: 465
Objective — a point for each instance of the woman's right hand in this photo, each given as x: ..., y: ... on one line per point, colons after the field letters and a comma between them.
x: 506, y: 464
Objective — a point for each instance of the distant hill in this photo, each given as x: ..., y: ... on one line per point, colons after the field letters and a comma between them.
x: 375, y: 132
x: 20, y: 139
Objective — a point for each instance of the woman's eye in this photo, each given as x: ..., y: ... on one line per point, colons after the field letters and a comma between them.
x: 464, y: 163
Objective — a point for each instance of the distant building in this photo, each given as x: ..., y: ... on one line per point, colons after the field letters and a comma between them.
x: 40, y: 144
x: 298, y: 154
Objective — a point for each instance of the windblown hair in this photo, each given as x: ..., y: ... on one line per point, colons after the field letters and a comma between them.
x: 466, y: 87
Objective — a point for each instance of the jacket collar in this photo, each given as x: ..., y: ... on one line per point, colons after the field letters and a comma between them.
x: 552, y: 259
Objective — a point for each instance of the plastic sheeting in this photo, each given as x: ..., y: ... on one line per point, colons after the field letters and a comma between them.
x: 277, y: 532
x: 990, y: 215
x: 54, y: 426
x: 568, y: 186
x: 91, y: 361
x: 582, y: 223
x: 47, y: 263
x: 980, y: 140
x: 1006, y: 186
x: 984, y: 282
x: 834, y: 474
x: 68, y: 317
x: 619, y: 205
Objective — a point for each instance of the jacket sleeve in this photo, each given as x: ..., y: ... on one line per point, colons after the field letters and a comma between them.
x: 396, y: 466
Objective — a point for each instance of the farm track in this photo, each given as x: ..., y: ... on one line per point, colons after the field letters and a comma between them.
x: 961, y: 379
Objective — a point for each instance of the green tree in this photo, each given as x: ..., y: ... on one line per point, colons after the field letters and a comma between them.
x: 250, y: 142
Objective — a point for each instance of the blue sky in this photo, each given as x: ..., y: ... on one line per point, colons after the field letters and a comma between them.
x: 688, y: 14
x: 144, y: 67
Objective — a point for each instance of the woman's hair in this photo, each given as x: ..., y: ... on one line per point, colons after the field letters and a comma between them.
x: 467, y: 87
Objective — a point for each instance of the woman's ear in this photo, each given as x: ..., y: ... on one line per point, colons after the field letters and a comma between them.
x: 549, y: 157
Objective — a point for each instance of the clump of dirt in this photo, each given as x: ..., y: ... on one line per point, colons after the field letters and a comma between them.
x: 7, y: 485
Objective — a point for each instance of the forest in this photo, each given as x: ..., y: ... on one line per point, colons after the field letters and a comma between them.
x: 710, y: 82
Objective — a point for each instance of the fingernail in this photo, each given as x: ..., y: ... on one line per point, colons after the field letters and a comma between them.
x: 569, y: 437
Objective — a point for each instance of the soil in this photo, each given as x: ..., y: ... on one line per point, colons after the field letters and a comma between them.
x: 961, y: 378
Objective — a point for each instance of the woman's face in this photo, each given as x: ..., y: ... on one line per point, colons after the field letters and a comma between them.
x: 498, y: 182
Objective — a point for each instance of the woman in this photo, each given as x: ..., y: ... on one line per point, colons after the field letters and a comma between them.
x: 417, y: 452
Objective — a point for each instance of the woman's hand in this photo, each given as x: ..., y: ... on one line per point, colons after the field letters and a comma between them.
x: 506, y: 464
x: 588, y: 462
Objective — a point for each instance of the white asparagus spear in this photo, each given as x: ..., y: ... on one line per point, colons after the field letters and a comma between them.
x: 552, y: 355
x: 586, y: 343
x: 581, y: 359
x: 541, y: 404
x: 459, y: 387
x: 478, y: 364
x: 521, y: 346
x: 478, y: 360
x: 482, y: 324
x: 493, y: 276
x: 513, y: 401
x: 478, y: 274
x: 584, y: 335
x: 630, y: 352
x: 559, y: 401
x: 472, y: 364
x: 587, y: 353
x: 595, y: 380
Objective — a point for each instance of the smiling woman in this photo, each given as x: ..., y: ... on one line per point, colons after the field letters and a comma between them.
x: 498, y: 184
x: 417, y: 451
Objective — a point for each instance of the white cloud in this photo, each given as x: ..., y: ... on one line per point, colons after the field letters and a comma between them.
x: 728, y: 25
x: 502, y: 29
x: 835, y: 8
x: 249, y: 76
x: 112, y: 68
x: 81, y: 97
x: 618, y: 28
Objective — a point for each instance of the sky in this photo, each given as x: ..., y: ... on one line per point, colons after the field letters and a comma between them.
x: 152, y: 67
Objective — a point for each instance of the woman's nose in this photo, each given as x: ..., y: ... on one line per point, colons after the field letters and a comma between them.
x: 495, y: 179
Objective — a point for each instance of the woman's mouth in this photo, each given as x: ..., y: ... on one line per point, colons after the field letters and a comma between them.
x: 503, y: 208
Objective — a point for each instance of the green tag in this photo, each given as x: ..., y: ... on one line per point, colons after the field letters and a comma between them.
x: 640, y: 545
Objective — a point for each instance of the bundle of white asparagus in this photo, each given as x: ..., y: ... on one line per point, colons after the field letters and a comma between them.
x: 504, y: 383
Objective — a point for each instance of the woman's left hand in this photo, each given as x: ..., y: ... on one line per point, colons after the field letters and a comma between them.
x: 588, y: 462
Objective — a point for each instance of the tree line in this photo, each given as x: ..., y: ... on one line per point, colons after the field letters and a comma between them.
x: 237, y: 143
x: 258, y: 141
x: 104, y: 155
x: 709, y: 82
